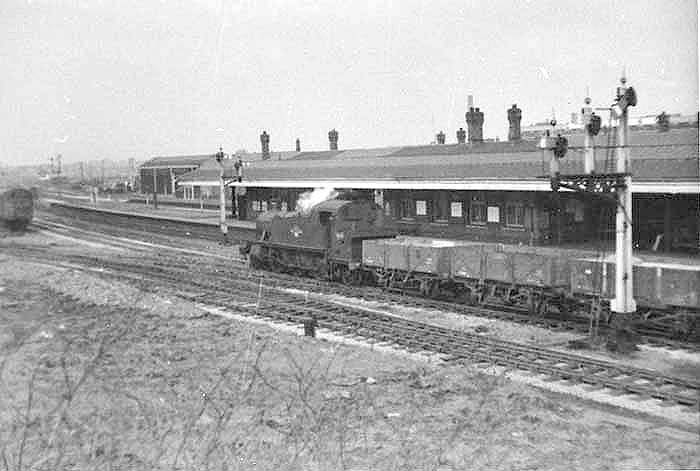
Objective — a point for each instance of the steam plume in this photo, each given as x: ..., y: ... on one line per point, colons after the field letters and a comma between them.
x: 310, y: 199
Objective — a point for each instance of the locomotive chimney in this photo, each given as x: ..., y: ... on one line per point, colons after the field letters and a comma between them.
x: 515, y: 114
x: 298, y: 145
x: 265, y: 142
x: 440, y: 137
x: 475, y: 124
x: 333, y: 139
x: 461, y: 136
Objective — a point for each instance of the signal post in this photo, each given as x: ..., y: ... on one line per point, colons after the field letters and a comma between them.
x: 606, y: 184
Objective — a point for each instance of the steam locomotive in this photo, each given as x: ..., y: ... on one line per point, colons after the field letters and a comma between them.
x: 16, y: 208
x: 352, y: 241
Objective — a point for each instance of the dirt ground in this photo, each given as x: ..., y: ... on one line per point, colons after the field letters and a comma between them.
x: 95, y: 374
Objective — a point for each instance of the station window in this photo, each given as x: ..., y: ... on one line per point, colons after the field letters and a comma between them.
x: 387, y: 208
x: 478, y: 212
x: 456, y: 209
x: 515, y: 214
x: 437, y: 208
x: 493, y: 214
x: 379, y: 197
x: 405, y: 210
x: 421, y: 208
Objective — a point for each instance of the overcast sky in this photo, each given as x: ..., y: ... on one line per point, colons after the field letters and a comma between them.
x: 118, y: 79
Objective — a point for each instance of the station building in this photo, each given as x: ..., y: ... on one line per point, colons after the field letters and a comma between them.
x: 165, y: 172
x: 162, y: 172
x: 496, y: 191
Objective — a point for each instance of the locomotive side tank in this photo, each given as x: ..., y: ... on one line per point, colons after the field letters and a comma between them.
x: 325, y: 241
x: 16, y: 208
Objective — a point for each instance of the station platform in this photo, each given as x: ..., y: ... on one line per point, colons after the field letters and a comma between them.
x: 206, y: 217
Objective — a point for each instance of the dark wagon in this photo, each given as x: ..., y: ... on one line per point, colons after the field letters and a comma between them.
x: 16, y: 208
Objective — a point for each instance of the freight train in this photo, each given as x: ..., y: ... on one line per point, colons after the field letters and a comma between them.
x: 16, y: 208
x: 352, y: 241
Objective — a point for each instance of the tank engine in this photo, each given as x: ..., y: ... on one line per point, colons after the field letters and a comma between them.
x: 16, y: 208
x: 325, y: 241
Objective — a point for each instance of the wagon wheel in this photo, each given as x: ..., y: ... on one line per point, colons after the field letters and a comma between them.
x: 434, y: 289
x: 346, y: 277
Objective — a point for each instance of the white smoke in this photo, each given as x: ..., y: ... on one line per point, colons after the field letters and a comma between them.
x: 310, y: 199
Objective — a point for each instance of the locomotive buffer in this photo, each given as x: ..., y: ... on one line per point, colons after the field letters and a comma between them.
x: 618, y: 181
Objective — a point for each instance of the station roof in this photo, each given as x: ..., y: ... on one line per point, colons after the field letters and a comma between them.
x: 195, y: 161
x: 176, y: 161
x: 661, y: 162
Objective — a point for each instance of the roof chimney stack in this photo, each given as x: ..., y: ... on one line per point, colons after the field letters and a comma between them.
x: 333, y: 139
x: 298, y: 145
x: 475, y: 124
x: 440, y: 137
x: 461, y: 136
x: 265, y: 142
x: 515, y: 114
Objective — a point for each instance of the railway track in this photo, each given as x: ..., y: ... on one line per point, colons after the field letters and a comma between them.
x: 658, y: 335
x: 252, y: 296
x: 149, y: 224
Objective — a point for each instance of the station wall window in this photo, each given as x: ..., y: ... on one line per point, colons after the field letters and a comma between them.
x: 379, y: 197
x: 387, y: 208
x: 456, y: 209
x: 493, y: 214
x: 515, y: 215
x: 477, y: 212
x: 421, y: 208
x: 438, y: 208
x: 405, y: 209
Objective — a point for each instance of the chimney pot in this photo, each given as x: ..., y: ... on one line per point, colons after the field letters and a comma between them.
x: 265, y: 143
x: 298, y: 145
x: 333, y: 139
x: 461, y: 136
x: 440, y: 137
x: 475, y: 125
x: 515, y: 115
